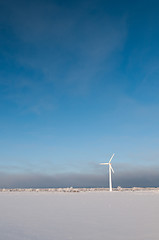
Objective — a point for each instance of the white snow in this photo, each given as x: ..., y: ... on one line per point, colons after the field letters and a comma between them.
x: 98, y: 215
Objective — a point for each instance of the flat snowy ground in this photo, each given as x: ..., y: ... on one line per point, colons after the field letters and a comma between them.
x: 79, y: 216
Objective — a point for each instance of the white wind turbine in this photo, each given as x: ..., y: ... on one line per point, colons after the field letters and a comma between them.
x: 110, y: 172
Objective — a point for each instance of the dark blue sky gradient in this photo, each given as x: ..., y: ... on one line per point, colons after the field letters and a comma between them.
x: 79, y: 80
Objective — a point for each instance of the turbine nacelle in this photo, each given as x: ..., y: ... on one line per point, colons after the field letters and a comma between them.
x: 110, y: 165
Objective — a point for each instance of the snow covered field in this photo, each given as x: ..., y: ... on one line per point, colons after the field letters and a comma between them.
x: 79, y: 216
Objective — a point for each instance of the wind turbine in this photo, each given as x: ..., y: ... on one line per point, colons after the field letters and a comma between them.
x: 110, y: 172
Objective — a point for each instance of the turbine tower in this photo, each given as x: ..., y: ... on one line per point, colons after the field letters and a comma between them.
x: 110, y: 172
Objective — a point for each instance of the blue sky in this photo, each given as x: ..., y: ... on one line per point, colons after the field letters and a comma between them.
x: 79, y: 81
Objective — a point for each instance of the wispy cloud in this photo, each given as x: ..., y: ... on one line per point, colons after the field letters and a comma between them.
x: 65, y: 47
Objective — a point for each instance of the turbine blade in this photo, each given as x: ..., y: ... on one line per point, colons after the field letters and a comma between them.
x: 111, y: 157
x: 103, y: 163
x: 112, y: 169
